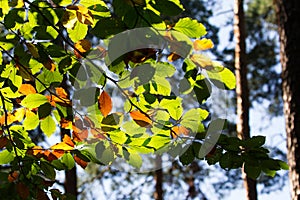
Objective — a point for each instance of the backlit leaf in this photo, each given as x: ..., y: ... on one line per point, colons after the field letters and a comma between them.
x: 190, y: 27
x: 27, y: 89
x: 203, y: 44
x: 48, y: 125
x: 34, y: 100
x: 6, y: 157
x: 105, y: 103
x: 31, y: 120
x: 201, y: 60
x: 141, y: 119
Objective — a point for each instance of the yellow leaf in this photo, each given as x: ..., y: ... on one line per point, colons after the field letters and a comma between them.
x: 141, y: 119
x: 69, y: 19
x: 83, y: 14
x: 27, y: 89
x: 105, y: 103
x: 201, y: 60
x: 62, y: 146
x: 203, y: 44
x: 83, y: 46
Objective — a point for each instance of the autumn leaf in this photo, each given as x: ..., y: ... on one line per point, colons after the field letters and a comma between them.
x: 104, y: 103
x: 13, y: 176
x: 3, y: 142
x: 203, y: 44
x: 84, y: 15
x: 80, y: 162
x: 83, y: 45
x: 61, y: 92
x: 179, y: 130
x: 27, y: 89
x: 141, y: 119
x: 173, y: 57
x: 80, y: 135
x: 67, y: 144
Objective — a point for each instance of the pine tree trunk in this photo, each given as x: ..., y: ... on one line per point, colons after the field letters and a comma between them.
x: 289, y: 28
x: 242, y: 91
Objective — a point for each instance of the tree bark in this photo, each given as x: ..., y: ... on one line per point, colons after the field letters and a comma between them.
x: 242, y: 91
x: 287, y: 12
x: 158, y: 176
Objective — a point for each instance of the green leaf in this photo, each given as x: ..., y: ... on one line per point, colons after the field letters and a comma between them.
x: 164, y: 69
x: 224, y: 79
x: 132, y: 157
x: 6, y: 157
x: 46, y: 78
x: 283, y: 165
x: 190, y: 27
x: 48, y: 125
x: 173, y: 106
x: 78, y: 32
x: 31, y: 121
x: 44, y: 110
x: 144, y: 73
x: 231, y: 160
x: 254, y: 142
x: 68, y: 160
x: 192, y: 119
x: 187, y: 157
x: 202, y: 89
x: 107, y: 27
x: 252, y: 171
x: 34, y: 100
x: 48, y: 170
x: 167, y: 7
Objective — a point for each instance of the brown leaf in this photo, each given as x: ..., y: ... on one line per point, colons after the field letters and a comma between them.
x: 13, y: 176
x: 3, y: 142
x: 27, y: 89
x: 50, y: 65
x: 141, y: 119
x: 80, y: 162
x: 173, y: 57
x: 104, y: 103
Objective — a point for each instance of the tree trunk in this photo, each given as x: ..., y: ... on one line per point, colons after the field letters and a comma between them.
x: 289, y: 28
x: 158, y: 176
x: 242, y: 91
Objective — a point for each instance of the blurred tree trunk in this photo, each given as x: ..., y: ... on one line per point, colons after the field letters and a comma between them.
x: 242, y: 91
x: 289, y: 28
x: 158, y: 176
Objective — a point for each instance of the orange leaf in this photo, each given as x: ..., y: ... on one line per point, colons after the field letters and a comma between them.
x: 48, y: 155
x: 104, y: 103
x: 61, y: 92
x: 98, y: 133
x: 81, y: 135
x: 80, y: 162
x: 173, y: 57
x: 141, y: 119
x: 178, y: 130
x: 88, y: 122
x: 66, y: 124
x: 36, y: 150
x: 203, y: 44
x: 13, y: 176
x: 27, y: 89
x: 68, y: 140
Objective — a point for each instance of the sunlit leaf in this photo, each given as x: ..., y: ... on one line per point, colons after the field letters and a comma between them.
x: 83, y: 14
x: 31, y: 120
x: 104, y: 103
x: 34, y: 100
x: 203, y: 44
x: 201, y: 60
x: 179, y: 130
x: 48, y: 125
x: 6, y: 157
x: 190, y: 27
x: 141, y: 119
x: 27, y: 89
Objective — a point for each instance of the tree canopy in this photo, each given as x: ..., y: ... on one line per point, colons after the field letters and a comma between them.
x: 105, y: 71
